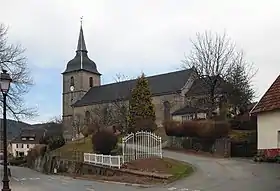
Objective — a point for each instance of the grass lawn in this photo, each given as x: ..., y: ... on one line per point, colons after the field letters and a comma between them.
x: 84, y: 146
x: 179, y: 169
x: 173, y: 167
x: 66, y: 151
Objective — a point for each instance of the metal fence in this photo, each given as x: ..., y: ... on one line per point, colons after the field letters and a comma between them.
x: 140, y: 145
x: 106, y: 160
x: 134, y: 146
x: 220, y: 147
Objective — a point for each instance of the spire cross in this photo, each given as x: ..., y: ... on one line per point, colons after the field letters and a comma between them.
x: 81, y: 20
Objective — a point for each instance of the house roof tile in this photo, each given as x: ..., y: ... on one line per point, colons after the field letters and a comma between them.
x: 270, y: 100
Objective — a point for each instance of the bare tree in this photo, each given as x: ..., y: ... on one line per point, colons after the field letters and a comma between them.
x: 102, y: 116
x: 77, y: 125
x: 56, y: 119
x: 13, y: 60
x: 121, y: 115
x: 85, y: 132
x: 121, y: 77
x: 213, y: 58
x: 121, y: 105
x: 55, y: 125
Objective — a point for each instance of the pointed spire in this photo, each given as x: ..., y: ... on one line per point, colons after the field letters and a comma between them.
x: 81, y: 43
x: 81, y: 61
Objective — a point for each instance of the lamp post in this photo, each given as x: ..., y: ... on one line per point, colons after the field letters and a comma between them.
x: 5, y: 81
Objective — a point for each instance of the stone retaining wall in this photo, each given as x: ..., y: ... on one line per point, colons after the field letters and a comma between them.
x: 57, y: 165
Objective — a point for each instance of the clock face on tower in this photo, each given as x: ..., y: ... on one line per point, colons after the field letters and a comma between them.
x: 72, y: 88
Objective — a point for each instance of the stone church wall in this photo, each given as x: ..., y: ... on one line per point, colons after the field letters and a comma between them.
x: 176, y: 101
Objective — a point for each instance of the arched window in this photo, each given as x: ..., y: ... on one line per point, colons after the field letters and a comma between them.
x: 72, y: 81
x: 166, y: 106
x: 87, y: 117
x: 90, y: 82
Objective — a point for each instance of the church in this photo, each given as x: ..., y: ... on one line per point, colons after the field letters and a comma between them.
x: 173, y: 93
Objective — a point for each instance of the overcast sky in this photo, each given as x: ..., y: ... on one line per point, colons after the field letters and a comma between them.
x: 130, y: 36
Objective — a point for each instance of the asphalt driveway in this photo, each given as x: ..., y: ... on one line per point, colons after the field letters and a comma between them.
x: 227, y: 174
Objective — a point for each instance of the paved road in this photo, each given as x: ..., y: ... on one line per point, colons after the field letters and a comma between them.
x: 212, y: 175
x: 228, y: 175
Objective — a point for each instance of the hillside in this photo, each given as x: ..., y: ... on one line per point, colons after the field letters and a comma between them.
x: 50, y: 128
x: 14, y: 128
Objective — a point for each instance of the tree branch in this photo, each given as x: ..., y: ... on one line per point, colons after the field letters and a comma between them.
x: 12, y: 59
x: 213, y: 57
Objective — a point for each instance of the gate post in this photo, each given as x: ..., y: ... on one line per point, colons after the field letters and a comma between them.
x: 134, y: 146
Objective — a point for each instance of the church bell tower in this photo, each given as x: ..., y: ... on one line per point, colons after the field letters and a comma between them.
x: 80, y: 75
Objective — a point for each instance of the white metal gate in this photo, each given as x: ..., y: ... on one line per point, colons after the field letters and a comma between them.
x: 142, y: 144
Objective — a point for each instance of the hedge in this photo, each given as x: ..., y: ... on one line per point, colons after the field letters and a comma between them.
x: 244, y: 124
x: 104, y: 142
x: 200, y: 128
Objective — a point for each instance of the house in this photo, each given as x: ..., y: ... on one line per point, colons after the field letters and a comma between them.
x: 267, y: 111
x: 83, y: 91
x: 13, y: 130
x: 196, y: 104
x: 189, y: 113
x: 27, y: 139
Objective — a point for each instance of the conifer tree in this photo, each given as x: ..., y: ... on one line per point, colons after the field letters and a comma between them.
x: 240, y: 92
x: 141, y: 109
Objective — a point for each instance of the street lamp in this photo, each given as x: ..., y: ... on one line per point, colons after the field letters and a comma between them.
x: 5, y: 81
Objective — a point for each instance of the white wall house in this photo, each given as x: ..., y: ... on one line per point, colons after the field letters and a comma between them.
x: 21, y: 149
x: 267, y: 111
x: 269, y: 130
x: 188, y: 116
x: 189, y: 113
x: 22, y: 144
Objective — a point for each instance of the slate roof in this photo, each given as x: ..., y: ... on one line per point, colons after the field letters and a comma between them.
x: 160, y: 85
x: 27, y: 141
x: 270, y: 100
x: 188, y: 110
x: 81, y: 61
x: 87, y: 64
x: 29, y: 133
x: 199, y: 87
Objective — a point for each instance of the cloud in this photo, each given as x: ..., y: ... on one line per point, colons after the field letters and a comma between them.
x: 132, y: 36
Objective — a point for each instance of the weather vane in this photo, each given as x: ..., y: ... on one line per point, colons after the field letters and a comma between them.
x: 81, y: 20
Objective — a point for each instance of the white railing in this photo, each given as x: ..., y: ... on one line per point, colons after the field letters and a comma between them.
x: 106, y: 160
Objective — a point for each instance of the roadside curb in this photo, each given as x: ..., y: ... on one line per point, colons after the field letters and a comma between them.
x: 192, y: 153
x: 119, y: 183
x: 129, y: 184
